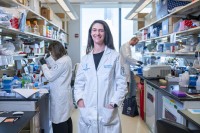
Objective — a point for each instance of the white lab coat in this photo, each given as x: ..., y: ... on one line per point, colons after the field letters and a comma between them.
x: 99, y: 88
x: 126, y: 59
x: 59, y: 77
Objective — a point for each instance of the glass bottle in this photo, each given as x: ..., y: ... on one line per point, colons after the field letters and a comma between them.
x: 19, y: 74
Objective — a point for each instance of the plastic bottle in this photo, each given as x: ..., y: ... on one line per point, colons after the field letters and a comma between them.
x: 198, y: 83
x: 28, y: 26
x: 16, y: 83
x: 3, y: 78
x: 31, y: 67
x: 184, y: 79
x: 35, y: 28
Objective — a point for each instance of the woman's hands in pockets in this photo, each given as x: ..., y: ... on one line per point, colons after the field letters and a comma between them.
x: 81, y: 103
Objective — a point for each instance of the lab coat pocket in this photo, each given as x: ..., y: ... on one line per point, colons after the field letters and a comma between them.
x: 87, y: 115
x: 106, y: 70
x: 108, y: 116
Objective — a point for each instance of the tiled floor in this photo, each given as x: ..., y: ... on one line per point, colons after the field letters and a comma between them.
x: 129, y: 124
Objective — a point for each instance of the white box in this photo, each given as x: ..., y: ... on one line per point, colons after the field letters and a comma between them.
x: 34, y: 5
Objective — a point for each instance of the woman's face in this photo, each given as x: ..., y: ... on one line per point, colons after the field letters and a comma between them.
x: 98, y: 33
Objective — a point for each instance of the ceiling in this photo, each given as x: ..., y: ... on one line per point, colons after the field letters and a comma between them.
x: 103, y: 3
x: 95, y: 1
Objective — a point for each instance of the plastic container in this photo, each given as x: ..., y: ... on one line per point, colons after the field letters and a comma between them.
x: 192, y: 80
x: 7, y: 84
x: 139, y: 70
x: 16, y: 83
x: 198, y: 83
x: 184, y: 79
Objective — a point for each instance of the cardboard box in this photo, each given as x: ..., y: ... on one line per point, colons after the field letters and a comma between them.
x: 34, y: 5
x: 47, y: 13
x: 61, y: 15
x: 42, y: 22
x: 57, y: 21
x: 138, y: 21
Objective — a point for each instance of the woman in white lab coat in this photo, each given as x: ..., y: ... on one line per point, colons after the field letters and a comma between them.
x: 100, y: 84
x: 59, y: 73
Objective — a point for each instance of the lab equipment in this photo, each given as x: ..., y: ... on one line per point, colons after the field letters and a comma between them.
x: 156, y: 71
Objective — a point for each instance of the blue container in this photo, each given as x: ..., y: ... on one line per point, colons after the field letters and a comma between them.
x: 192, y: 80
x: 139, y: 70
x: 7, y: 84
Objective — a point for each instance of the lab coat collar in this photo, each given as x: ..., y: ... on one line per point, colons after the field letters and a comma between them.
x: 104, y: 58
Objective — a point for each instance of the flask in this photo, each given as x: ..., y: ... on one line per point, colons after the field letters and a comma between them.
x: 198, y: 83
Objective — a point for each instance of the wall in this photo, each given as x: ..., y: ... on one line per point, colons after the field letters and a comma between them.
x: 74, y: 43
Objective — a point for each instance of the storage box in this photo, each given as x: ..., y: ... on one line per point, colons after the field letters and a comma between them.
x: 138, y: 21
x: 34, y: 5
x: 165, y: 27
x: 61, y: 15
x: 57, y: 21
x: 42, y: 22
x: 47, y: 13
x: 163, y: 6
x: 151, y: 17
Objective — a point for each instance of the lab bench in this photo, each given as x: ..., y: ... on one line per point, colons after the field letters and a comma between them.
x: 161, y: 103
x: 40, y: 103
x: 192, y: 120
x: 18, y: 126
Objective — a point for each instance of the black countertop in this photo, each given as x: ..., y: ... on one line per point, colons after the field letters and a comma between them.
x: 168, y: 90
x: 18, y: 125
x: 194, y: 118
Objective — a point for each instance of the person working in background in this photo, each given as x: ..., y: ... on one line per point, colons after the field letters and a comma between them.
x: 59, y: 73
x: 100, y: 85
x: 126, y: 60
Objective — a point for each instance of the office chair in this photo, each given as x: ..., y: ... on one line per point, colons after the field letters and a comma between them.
x: 167, y: 126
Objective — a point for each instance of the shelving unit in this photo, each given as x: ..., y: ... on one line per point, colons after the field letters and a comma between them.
x: 61, y: 34
x: 171, y: 53
x: 13, y: 3
x: 184, y: 10
x: 180, y: 12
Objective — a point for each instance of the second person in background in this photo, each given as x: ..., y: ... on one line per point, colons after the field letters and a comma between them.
x: 126, y: 60
x: 100, y: 84
x: 59, y: 72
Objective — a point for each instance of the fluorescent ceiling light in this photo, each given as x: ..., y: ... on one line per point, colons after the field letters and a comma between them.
x: 68, y: 9
x: 146, y: 10
x: 138, y: 7
x: 63, y: 5
x: 132, y: 16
